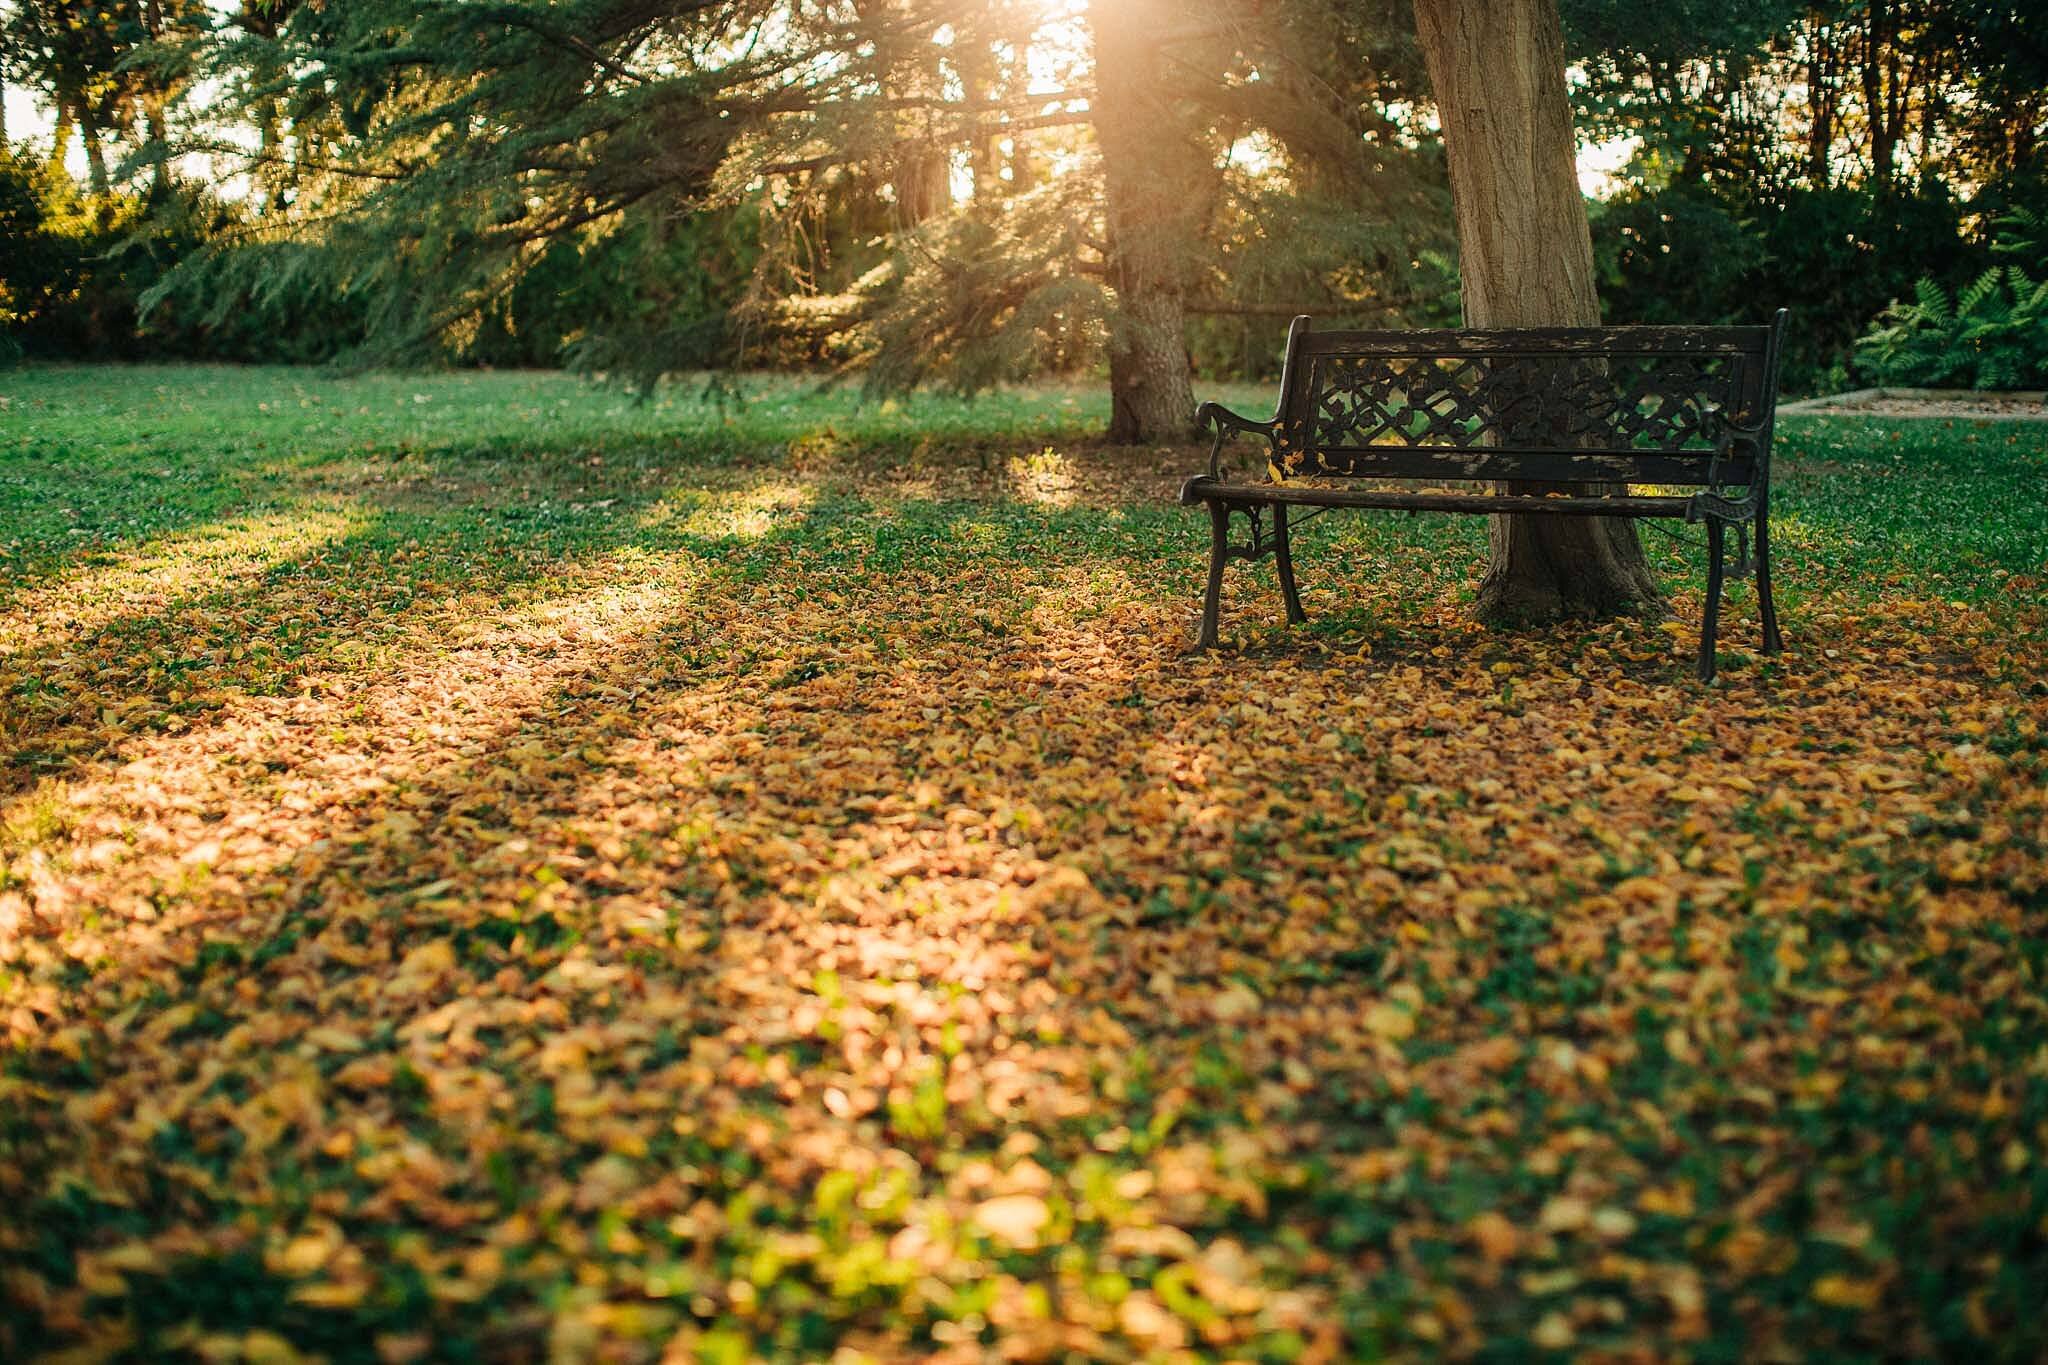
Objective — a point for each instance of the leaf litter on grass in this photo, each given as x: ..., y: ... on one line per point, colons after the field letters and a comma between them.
x: 806, y: 926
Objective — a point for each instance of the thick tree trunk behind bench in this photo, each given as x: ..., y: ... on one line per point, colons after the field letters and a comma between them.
x: 1526, y: 260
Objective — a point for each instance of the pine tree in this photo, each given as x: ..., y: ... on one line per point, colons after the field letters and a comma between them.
x: 934, y: 209
x: 1150, y: 221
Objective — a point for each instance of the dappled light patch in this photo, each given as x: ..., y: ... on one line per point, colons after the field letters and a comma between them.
x: 748, y: 514
x: 156, y: 578
x: 1044, y: 477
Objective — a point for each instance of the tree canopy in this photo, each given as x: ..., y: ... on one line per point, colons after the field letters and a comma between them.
x: 939, y: 191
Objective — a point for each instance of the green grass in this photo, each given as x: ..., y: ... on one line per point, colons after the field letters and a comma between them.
x: 489, y: 869
x: 95, y: 459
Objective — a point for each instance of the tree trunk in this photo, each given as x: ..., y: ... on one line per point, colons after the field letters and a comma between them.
x: 95, y: 155
x: 155, y: 97
x: 159, y: 145
x: 976, y: 65
x: 1152, y: 167
x: 1877, y: 38
x: 1821, y: 94
x: 1525, y: 259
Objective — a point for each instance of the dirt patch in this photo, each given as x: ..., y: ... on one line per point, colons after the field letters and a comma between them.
x: 1952, y: 404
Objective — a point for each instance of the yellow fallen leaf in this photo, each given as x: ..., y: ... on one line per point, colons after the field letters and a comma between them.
x: 1673, y: 1201
x: 1390, y: 1021
x: 137, y: 1256
x: 268, y: 1348
x: 1613, y: 1224
x: 1496, y: 1238
x: 1234, y: 1002
x: 429, y: 959
x: 1566, y: 1213
x: 1843, y: 1291
x: 1014, y: 1218
x: 305, y: 1254
x: 330, y: 1039
x: 331, y: 1293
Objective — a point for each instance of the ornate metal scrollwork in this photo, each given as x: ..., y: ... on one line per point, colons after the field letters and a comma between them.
x: 1261, y: 542
x: 1611, y: 402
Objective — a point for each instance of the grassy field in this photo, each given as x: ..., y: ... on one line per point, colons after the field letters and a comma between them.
x: 489, y: 870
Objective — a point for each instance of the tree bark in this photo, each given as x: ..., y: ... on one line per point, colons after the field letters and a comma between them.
x: 1822, y: 93
x: 1525, y: 259
x: 1152, y: 168
x: 154, y: 97
x: 1879, y: 31
x: 95, y: 155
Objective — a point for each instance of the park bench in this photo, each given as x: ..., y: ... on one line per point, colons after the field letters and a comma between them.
x: 1551, y: 421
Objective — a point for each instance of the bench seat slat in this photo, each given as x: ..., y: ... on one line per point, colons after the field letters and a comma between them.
x: 1540, y: 466
x: 1400, y: 499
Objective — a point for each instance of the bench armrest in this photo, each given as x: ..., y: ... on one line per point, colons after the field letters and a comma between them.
x: 1732, y: 438
x: 1228, y: 424
x: 1217, y: 415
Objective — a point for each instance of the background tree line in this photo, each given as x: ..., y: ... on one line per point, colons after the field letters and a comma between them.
x: 969, y: 191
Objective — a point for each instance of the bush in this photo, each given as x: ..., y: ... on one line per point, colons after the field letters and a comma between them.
x: 1833, y: 256
x: 1991, y: 334
x: 642, y: 299
x: 46, y: 240
x: 1677, y: 256
x: 91, y: 279
x: 1836, y: 256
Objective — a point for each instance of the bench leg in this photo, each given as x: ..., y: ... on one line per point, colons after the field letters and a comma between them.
x: 1717, y: 537
x: 1773, y: 641
x: 1219, y: 553
x: 1283, y: 561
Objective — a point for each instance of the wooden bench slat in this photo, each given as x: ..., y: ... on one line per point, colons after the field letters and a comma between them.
x: 1530, y: 466
x: 1299, y: 495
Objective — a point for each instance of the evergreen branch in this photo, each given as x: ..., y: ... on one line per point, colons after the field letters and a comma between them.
x: 258, y: 157
x: 965, y: 135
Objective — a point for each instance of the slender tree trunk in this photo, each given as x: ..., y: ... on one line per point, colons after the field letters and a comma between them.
x: 920, y: 180
x: 270, y: 174
x: 1933, y: 103
x: 976, y: 63
x: 95, y: 155
x: 159, y: 141
x: 3, y: 113
x: 1821, y: 95
x: 1525, y: 258
x: 1878, y: 33
x: 1152, y: 170
x: 2021, y: 139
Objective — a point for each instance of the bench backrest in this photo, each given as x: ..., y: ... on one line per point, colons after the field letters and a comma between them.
x: 1563, y: 405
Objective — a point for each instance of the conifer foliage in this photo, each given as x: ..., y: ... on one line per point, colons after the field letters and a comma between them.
x: 944, y: 191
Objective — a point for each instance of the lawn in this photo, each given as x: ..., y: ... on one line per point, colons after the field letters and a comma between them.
x: 492, y: 870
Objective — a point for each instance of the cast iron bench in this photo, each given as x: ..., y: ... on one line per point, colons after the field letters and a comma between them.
x: 1557, y: 420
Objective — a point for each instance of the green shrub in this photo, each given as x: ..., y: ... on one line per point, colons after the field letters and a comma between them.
x: 1691, y: 253
x: 1678, y: 255
x: 1991, y: 334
